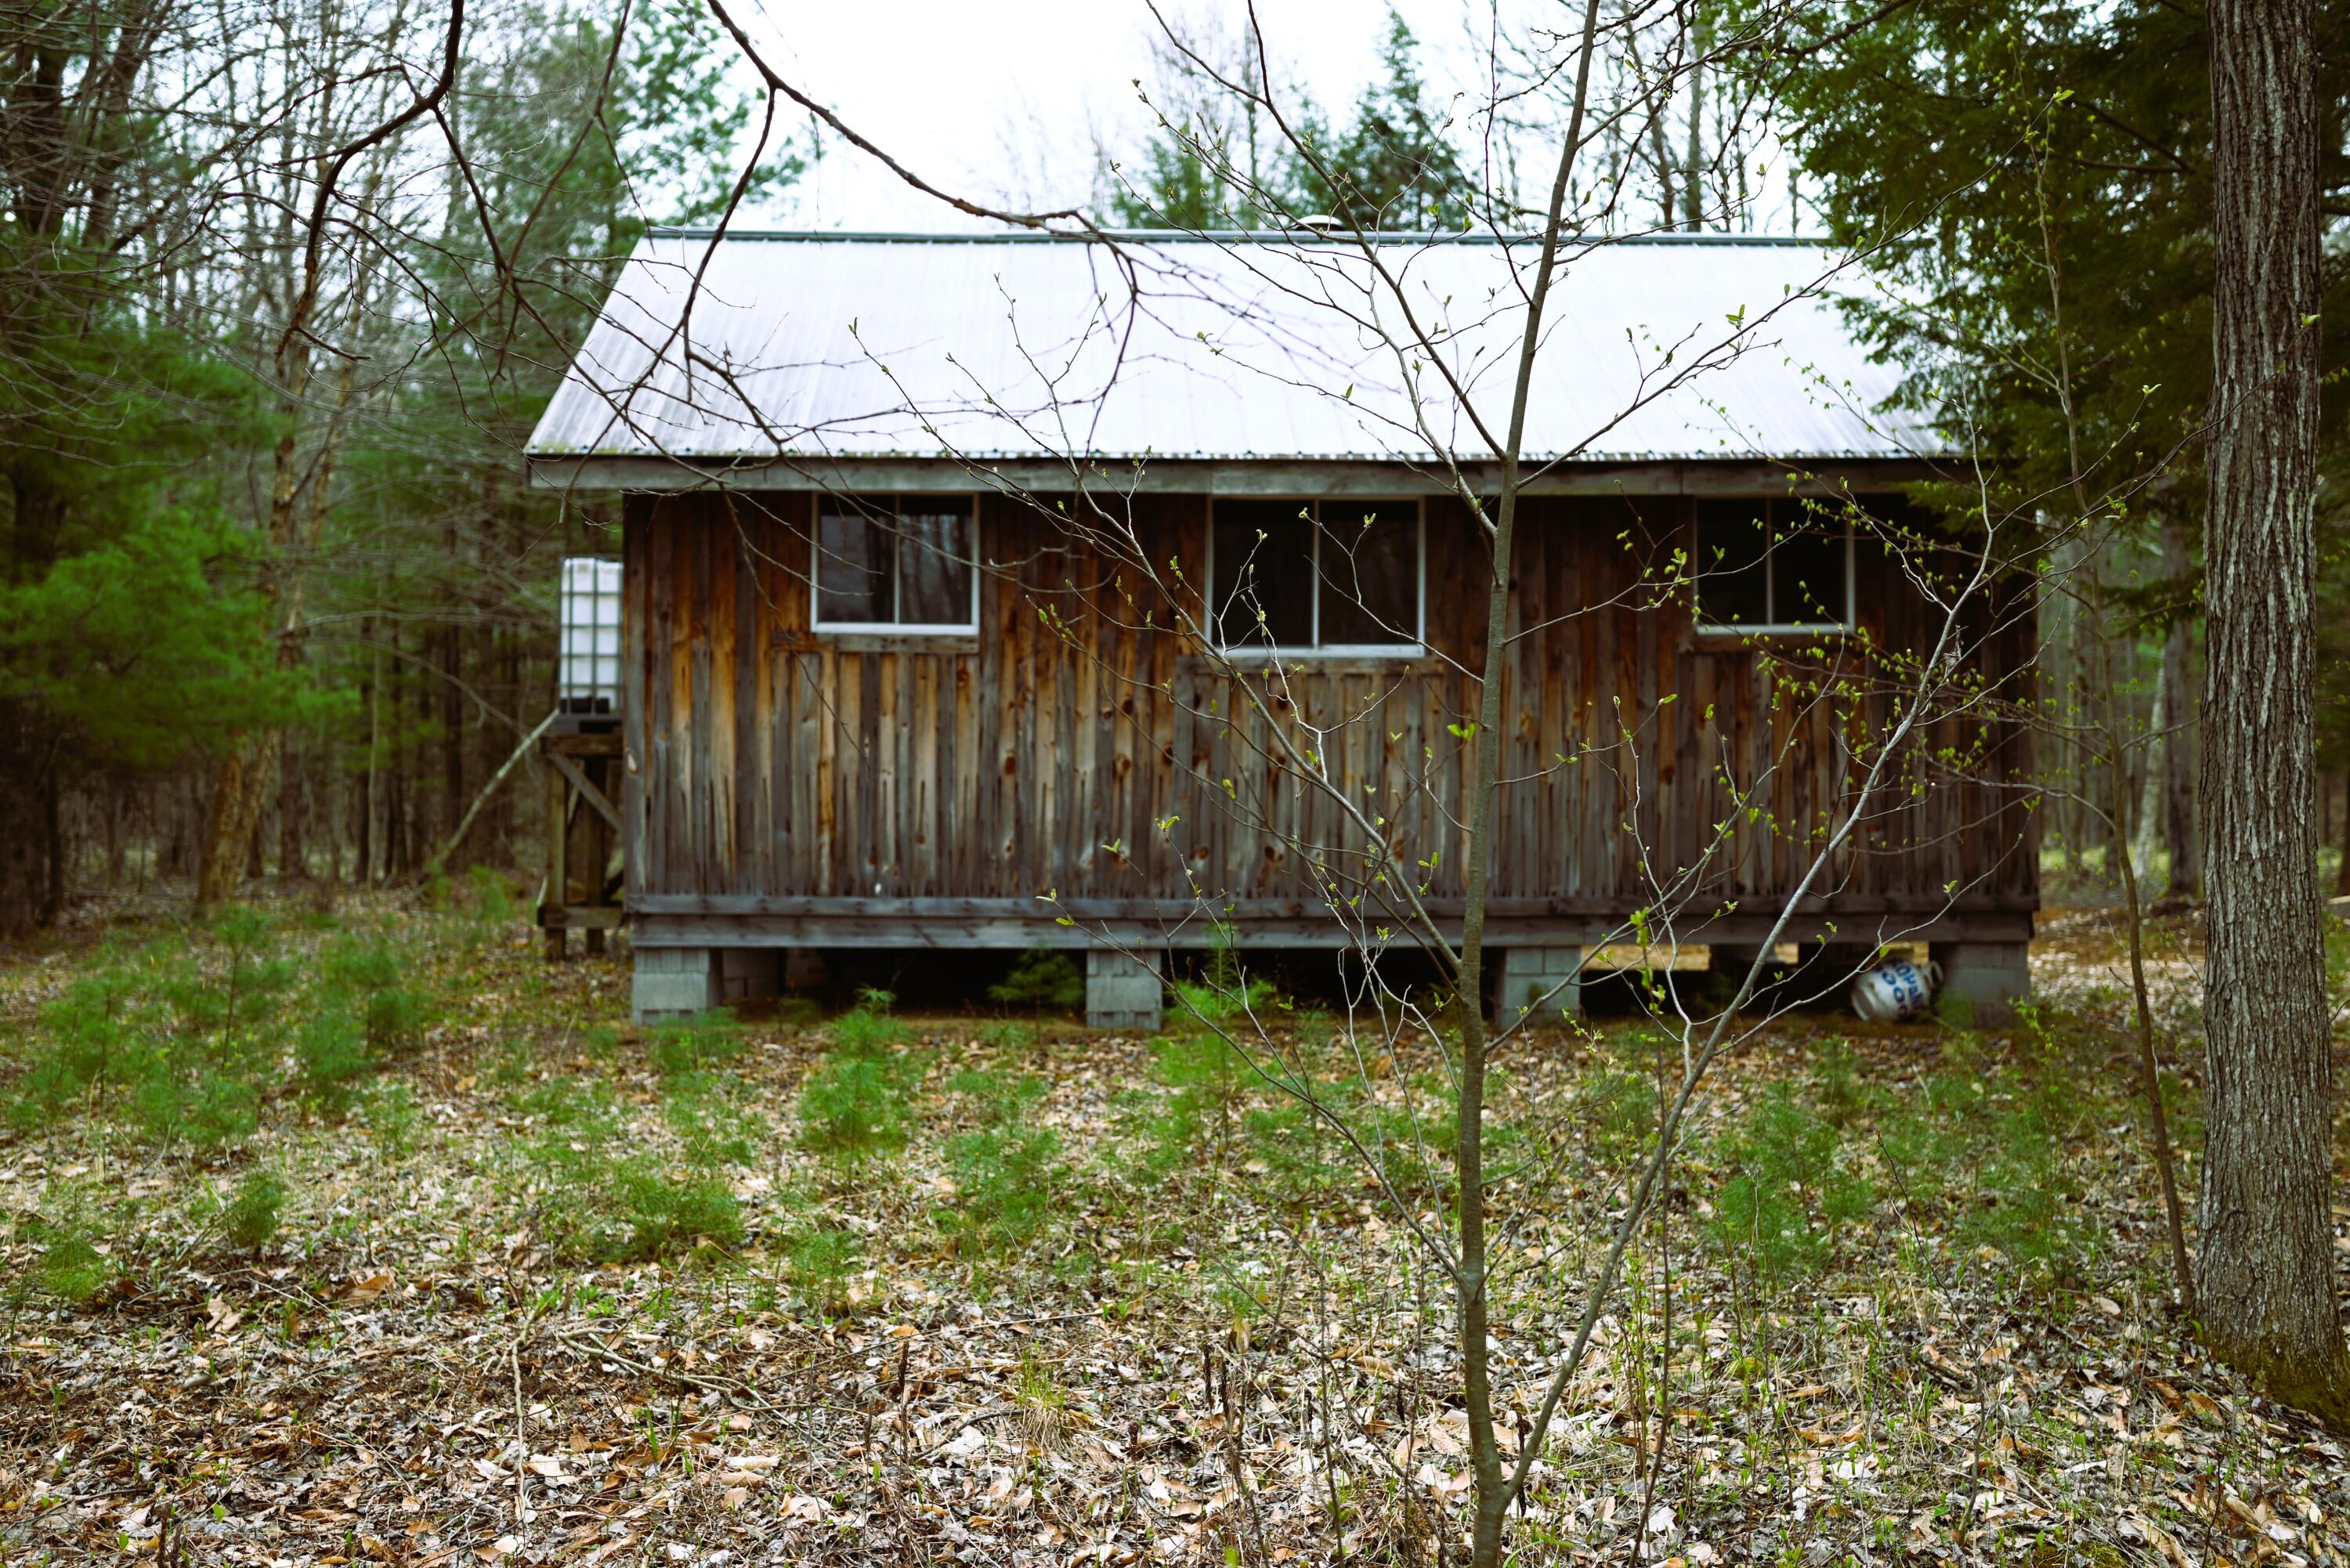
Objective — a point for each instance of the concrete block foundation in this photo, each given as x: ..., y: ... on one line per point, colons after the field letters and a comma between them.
x: 1121, y: 991
x: 1544, y: 982
x: 674, y: 983
x: 748, y: 974
x: 1982, y: 982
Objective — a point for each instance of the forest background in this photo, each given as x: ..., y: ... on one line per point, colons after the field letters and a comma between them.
x: 274, y: 334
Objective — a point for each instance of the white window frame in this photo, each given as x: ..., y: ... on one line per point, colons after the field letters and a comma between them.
x: 1771, y: 626
x: 1317, y: 648
x: 968, y: 627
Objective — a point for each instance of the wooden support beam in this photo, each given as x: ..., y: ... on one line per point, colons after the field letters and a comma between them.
x: 588, y: 918
x: 558, y: 864
x: 846, y: 928
x: 587, y: 791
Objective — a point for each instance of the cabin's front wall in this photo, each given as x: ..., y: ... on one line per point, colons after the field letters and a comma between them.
x: 785, y: 787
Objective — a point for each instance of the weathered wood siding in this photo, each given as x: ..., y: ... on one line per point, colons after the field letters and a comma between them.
x: 772, y: 771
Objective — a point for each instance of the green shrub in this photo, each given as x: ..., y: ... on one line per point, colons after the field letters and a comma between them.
x: 859, y: 1102
x: 491, y: 905
x: 332, y: 1054
x: 631, y: 1210
x: 106, y: 1029
x: 569, y: 1103
x: 715, y: 1129
x: 249, y: 987
x: 823, y: 1261
x: 204, y: 1107
x: 1209, y: 1077
x: 1303, y: 1158
x: 1004, y: 1035
x: 1791, y: 1188
x: 2018, y: 1203
x: 72, y: 1269
x: 1005, y: 1170
x: 396, y: 1018
x: 1219, y: 1004
x: 356, y: 966
x: 249, y: 1219
x: 1041, y: 978
x: 1619, y: 1112
x: 1984, y: 1149
x: 867, y: 1029
x: 665, y: 1214
x: 855, y: 1107
x: 392, y: 1118
x: 601, y: 1205
x: 1226, y: 996
x: 364, y: 978
x: 1835, y: 1082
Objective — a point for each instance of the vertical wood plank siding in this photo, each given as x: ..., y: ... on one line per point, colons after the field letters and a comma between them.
x: 766, y: 759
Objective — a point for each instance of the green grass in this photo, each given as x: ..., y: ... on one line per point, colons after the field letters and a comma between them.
x: 712, y: 1040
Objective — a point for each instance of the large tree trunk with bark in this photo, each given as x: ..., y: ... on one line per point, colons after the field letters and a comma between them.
x: 2265, y: 1276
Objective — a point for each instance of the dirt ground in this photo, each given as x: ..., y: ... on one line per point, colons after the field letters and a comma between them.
x: 852, y: 1286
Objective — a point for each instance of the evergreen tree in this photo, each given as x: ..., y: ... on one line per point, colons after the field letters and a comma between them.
x: 1181, y: 186
x: 1393, y: 169
x: 124, y: 584
x: 1203, y: 167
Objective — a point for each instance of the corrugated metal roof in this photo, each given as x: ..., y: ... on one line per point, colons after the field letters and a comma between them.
x: 1261, y: 347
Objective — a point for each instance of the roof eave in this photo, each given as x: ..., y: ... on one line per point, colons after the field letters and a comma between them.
x: 1623, y: 475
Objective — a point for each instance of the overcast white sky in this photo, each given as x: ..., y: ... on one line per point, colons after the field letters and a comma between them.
x: 1007, y: 98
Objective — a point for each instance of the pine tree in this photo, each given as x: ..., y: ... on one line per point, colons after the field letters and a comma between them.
x: 1391, y: 169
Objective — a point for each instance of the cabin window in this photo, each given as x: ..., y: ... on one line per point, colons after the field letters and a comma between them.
x: 1317, y: 576
x: 1772, y: 565
x: 895, y: 563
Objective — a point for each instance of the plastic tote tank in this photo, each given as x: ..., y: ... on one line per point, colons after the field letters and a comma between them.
x: 587, y: 668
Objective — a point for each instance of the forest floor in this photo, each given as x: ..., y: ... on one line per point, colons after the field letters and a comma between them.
x: 370, y: 1237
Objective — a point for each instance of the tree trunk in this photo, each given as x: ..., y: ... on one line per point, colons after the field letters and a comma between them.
x: 293, y: 851
x: 2146, y: 821
x: 1693, y: 187
x: 235, y: 812
x: 20, y: 843
x: 2265, y: 1265
x: 2342, y: 872
x: 250, y: 765
x: 2179, y: 747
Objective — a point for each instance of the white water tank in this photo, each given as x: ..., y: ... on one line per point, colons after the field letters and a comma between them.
x: 587, y: 665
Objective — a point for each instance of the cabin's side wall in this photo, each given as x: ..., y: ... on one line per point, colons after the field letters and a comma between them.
x: 787, y: 788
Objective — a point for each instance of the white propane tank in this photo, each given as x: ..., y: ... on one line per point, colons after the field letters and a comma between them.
x: 1895, y: 990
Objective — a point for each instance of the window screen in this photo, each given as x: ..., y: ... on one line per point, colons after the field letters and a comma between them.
x: 895, y: 562
x: 1305, y: 575
x: 1772, y: 564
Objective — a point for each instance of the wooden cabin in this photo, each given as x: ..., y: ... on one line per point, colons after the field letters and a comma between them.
x: 880, y: 691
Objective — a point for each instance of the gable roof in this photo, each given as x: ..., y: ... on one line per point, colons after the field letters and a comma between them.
x: 816, y: 347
